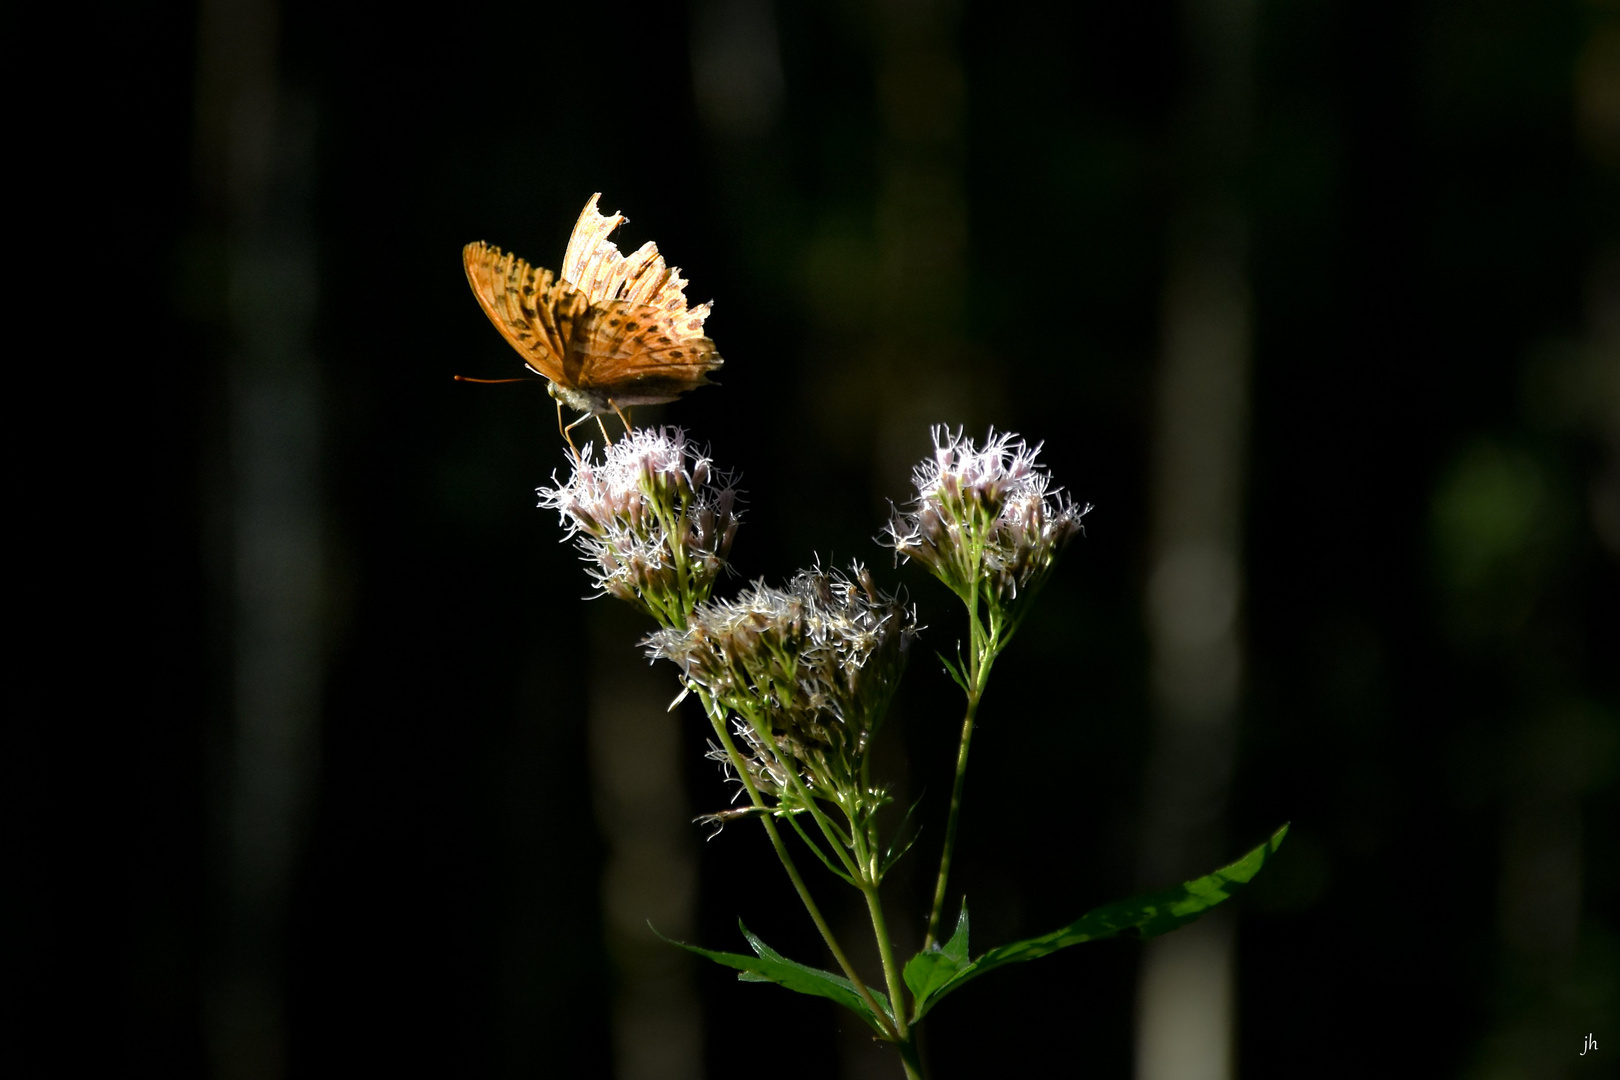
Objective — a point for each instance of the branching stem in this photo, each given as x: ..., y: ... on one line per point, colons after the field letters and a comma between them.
x: 717, y: 720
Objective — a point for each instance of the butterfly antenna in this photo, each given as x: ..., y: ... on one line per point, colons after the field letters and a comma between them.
x: 490, y: 382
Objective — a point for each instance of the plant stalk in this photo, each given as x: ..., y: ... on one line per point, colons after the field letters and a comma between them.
x: 891, y: 974
x: 950, y: 822
x: 985, y: 644
x: 891, y: 969
x: 910, y: 1060
x: 890, y: 1025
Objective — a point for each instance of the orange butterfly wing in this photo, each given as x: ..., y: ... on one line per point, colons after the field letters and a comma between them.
x: 610, y: 330
x: 592, y: 260
x: 536, y: 313
x: 593, y: 263
x: 637, y: 354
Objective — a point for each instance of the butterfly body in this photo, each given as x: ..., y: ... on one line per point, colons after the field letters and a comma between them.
x: 611, y: 332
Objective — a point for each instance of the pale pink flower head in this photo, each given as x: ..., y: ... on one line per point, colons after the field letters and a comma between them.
x: 986, y: 521
x: 808, y: 670
x: 653, y: 519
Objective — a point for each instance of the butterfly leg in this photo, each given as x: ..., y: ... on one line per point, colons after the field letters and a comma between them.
x: 624, y: 418
x: 564, y: 430
x: 580, y: 421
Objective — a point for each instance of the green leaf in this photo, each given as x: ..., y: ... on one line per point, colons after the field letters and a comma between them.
x: 933, y: 968
x: 1148, y: 916
x: 768, y: 965
x: 896, y: 849
x: 955, y: 670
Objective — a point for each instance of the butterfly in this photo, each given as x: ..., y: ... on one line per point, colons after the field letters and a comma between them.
x: 610, y: 332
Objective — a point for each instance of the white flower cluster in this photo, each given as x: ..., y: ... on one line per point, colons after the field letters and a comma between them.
x: 810, y: 668
x: 653, y: 520
x: 985, y: 518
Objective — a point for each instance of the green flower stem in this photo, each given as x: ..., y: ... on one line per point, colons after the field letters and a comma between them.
x: 717, y: 720
x: 673, y: 527
x: 840, y: 844
x: 950, y: 823
x: 815, y: 849
x: 985, y: 643
x: 891, y: 969
x: 909, y: 1059
x: 891, y: 974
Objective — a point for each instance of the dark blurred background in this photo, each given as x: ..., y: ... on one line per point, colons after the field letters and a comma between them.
x: 1317, y: 302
